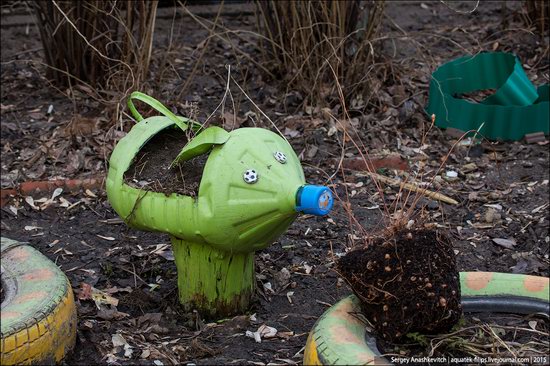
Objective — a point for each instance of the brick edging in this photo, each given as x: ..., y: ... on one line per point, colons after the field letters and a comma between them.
x: 30, y: 188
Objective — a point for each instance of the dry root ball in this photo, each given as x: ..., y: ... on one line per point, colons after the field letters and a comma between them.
x: 408, y: 283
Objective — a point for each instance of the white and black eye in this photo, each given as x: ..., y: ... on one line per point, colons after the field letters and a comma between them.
x: 250, y: 176
x: 280, y: 157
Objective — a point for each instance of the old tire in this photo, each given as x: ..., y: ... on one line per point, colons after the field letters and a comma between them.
x: 38, y: 316
x: 339, y: 337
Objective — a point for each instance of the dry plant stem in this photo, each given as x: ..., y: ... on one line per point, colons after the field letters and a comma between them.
x: 259, y: 109
x: 201, y: 22
x: 302, y: 34
x: 473, y: 347
x: 365, y: 155
x: 537, y: 14
x: 460, y: 11
x: 346, y: 205
x: 105, y: 44
x: 203, y: 51
x: 222, y: 103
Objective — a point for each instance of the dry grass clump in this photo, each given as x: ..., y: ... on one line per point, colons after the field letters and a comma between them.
x: 307, y: 42
x: 103, y: 43
x: 537, y: 14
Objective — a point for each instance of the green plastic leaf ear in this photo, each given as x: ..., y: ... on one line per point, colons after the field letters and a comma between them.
x: 202, y: 143
x: 158, y: 106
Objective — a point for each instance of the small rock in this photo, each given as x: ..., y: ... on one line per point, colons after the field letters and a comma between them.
x: 470, y: 167
x: 491, y: 216
x: 407, y: 110
x: 432, y: 205
x: 282, y: 277
x: 451, y: 176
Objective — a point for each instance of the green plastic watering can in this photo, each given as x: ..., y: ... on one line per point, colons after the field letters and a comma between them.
x: 251, y: 190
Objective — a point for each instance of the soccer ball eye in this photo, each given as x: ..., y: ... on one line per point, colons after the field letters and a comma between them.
x: 250, y: 176
x: 280, y: 157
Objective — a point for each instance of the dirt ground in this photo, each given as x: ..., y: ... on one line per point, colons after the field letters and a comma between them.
x: 502, y: 187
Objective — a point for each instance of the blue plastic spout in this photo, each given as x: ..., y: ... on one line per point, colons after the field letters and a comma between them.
x: 314, y: 200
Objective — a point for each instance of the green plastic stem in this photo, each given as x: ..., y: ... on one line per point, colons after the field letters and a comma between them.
x: 214, y: 282
x: 156, y: 105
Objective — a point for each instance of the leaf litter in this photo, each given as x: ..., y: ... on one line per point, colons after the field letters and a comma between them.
x: 488, y: 177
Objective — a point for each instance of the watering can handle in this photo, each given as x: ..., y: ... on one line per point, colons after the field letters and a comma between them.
x: 156, y: 105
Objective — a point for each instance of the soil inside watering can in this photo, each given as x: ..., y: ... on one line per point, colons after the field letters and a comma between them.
x: 151, y: 169
x: 406, y: 283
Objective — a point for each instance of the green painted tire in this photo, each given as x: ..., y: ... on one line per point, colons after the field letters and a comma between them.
x: 339, y: 336
x: 38, y: 316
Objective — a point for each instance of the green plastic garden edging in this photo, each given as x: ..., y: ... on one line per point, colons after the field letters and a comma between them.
x: 339, y: 337
x: 514, y: 110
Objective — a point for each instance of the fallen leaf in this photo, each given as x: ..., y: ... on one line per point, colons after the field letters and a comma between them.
x: 291, y: 133
x: 495, y: 206
x: 114, y: 290
x: 85, y: 292
x: 312, y: 151
x: 254, y: 335
x: 13, y: 209
x: 110, y: 314
x: 102, y: 298
x: 110, y: 238
x: 88, y: 292
x: 268, y: 288
x: 30, y: 201
x: 118, y: 340
x: 267, y: 331
x: 30, y: 228
x: 285, y: 335
x: 64, y: 202
x: 56, y: 193
x: 506, y: 243
x: 165, y: 251
x: 537, y: 209
x: 289, y: 295
x: 149, y: 318
x: 231, y: 121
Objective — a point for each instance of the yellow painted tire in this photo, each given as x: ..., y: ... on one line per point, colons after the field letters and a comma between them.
x: 38, y: 313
